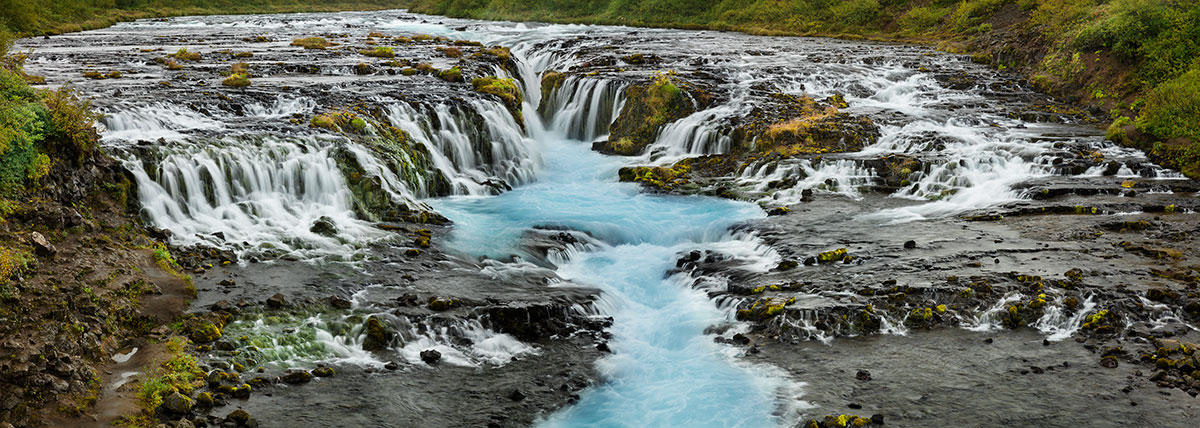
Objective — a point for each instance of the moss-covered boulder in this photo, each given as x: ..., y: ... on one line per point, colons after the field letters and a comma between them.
x: 657, y: 177
x: 506, y: 90
x: 647, y: 109
x: 379, y: 335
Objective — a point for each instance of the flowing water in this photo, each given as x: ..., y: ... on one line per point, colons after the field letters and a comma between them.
x: 231, y: 171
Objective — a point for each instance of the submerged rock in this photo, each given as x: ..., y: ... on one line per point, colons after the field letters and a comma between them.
x: 324, y: 226
x: 379, y: 335
x: 297, y: 377
x: 430, y: 356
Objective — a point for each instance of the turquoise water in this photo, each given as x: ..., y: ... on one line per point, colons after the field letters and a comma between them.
x: 664, y: 371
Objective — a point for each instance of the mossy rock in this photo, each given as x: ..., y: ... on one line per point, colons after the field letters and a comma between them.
x: 443, y: 303
x: 648, y: 108
x: 379, y: 335
x: 506, y: 90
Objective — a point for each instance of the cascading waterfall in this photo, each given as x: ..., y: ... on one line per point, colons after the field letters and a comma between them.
x: 583, y: 108
x: 471, y: 145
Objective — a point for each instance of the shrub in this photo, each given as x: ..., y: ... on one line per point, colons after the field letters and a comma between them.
x: 922, y: 19
x: 1172, y: 110
x: 856, y: 12
x: 970, y: 13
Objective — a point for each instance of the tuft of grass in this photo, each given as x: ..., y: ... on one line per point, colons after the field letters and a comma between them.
x: 312, y: 43
x: 379, y: 52
x: 184, y: 55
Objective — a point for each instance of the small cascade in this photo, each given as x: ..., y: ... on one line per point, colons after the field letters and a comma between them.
x: 281, y: 107
x: 263, y: 194
x: 159, y: 120
x: 700, y: 133
x: 1057, y: 325
x: 289, y: 341
x: 582, y: 108
x: 477, y: 146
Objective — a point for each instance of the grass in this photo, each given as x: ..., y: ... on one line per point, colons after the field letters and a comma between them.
x: 178, y: 373
x: 312, y: 43
x: 39, y: 17
x: 379, y: 52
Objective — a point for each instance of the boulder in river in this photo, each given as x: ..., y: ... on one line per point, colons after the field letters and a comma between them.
x: 324, y: 226
x: 430, y: 356
x: 297, y: 376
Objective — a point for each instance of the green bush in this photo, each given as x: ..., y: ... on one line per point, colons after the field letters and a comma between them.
x: 856, y: 12
x: 973, y: 12
x: 922, y: 19
x: 1172, y: 110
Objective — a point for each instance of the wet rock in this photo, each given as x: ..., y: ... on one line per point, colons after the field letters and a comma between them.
x: 391, y: 365
x: 205, y: 400
x: 184, y: 423
x: 1109, y: 361
x: 222, y: 306
x: 323, y: 372
x: 430, y: 356
x: 242, y: 391
x: 740, y: 339
x: 443, y: 303
x: 516, y: 395
x: 276, y: 301
x: 863, y: 375
x: 297, y: 377
x: 339, y: 303
x: 324, y: 226
x: 908, y: 245
x: 42, y: 246
x: 239, y: 417
x: 177, y: 403
x: 379, y: 336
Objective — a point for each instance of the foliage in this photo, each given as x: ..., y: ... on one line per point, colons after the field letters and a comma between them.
x: 1172, y: 110
x: 178, y: 373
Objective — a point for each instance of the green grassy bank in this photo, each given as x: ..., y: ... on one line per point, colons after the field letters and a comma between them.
x: 1135, y: 61
x: 37, y: 17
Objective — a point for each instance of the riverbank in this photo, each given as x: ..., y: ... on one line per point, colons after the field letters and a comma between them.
x: 81, y: 284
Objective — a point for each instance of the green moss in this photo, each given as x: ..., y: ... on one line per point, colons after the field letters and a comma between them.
x: 312, y: 43
x: 379, y: 52
x: 236, y: 80
x: 504, y: 88
x: 453, y: 74
x: 832, y: 256
x: 648, y: 107
x: 379, y: 335
x: 184, y: 55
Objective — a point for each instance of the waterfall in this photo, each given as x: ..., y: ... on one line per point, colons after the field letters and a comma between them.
x: 263, y: 194
x: 583, y: 107
x: 478, y: 145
